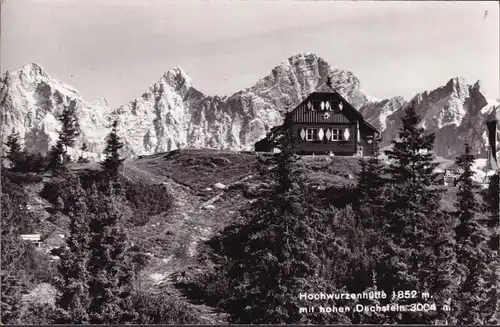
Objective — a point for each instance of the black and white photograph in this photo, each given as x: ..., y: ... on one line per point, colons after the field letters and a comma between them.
x: 225, y: 162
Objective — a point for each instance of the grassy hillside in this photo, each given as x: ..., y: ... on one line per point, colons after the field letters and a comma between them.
x: 208, y: 188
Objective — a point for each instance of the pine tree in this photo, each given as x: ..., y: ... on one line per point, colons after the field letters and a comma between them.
x: 82, y: 159
x: 56, y: 158
x: 14, y: 151
x: 371, y: 180
x: 466, y: 201
x: 472, y: 249
x: 412, y: 156
x: 286, y: 143
x: 491, y: 199
x: 111, y: 281
x: 15, y: 219
x: 69, y: 130
x: 74, y: 299
x: 274, y: 254
x: 412, y: 223
x: 111, y: 165
x: 492, y: 210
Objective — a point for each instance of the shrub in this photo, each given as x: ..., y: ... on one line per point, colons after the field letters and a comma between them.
x: 38, y: 314
x: 161, y: 308
x: 55, y: 190
x: 37, y: 268
x: 147, y: 200
x: 339, y: 196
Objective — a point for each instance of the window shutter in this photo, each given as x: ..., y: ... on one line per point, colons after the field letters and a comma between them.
x: 302, y: 134
x: 328, y: 134
x: 320, y: 134
x: 346, y: 134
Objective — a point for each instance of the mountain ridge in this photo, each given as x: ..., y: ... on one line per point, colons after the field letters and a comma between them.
x: 173, y: 114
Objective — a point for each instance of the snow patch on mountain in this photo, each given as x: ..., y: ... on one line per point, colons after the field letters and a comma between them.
x: 31, y: 100
x: 173, y: 114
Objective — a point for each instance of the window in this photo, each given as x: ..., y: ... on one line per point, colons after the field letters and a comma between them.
x: 336, y: 134
x: 312, y: 134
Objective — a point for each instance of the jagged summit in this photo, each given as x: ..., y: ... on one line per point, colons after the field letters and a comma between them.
x: 172, y: 114
x: 33, y: 68
x: 177, y: 77
x: 28, y: 73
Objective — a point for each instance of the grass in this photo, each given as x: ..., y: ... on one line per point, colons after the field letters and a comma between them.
x: 200, y: 169
x: 168, y: 237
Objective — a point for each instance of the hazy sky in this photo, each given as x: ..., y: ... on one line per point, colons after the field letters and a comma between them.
x: 117, y: 48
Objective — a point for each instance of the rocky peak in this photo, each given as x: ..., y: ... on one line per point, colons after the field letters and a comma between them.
x: 177, y: 79
x: 29, y: 73
x: 173, y: 114
x: 34, y: 69
x: 458, y: 87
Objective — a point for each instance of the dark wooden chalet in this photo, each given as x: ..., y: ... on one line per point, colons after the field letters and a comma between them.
x: 325, y: 123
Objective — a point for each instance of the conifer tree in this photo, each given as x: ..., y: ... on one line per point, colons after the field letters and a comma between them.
x: 412, y: 255
x: 274, y: 254
x: 369, y: 201
x: 466, y: 202
x: 286, y: 143
x: 492, y: 210
x: 111, y: 278
x: 56, y: 158
x: 82, y: 159
x: 472, y: 248
x: 69, y: 130
x: 14, y: 151
x: 74, y: 299
x: 15, y: 219
x: 491, y: 199
x: 111, y: 165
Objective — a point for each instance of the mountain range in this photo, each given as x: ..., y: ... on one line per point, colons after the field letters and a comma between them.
x: 173, y: 114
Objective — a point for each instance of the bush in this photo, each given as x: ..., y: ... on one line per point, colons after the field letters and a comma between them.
x: 30, y: 163
x: 55, y: 190
x: 212, y: 287
x: 23, y: 178
x: 147, y: 200
x: 37, y: 268
x: 339, y: 196
x: 38, y: 314
x: 161, y: 308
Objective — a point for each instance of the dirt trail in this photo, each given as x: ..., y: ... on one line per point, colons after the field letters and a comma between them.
x: 192, y: 218
x: 192, y: 214
x: 188, y: 216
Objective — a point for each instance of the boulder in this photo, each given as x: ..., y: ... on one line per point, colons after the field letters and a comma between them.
x: 220, y: 186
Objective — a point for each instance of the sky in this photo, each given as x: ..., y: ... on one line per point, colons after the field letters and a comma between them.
x: 117, y: 48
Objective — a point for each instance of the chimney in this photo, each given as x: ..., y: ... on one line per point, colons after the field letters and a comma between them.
x: 329, y: 81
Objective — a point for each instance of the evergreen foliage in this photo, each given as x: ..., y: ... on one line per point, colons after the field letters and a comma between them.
x: 81, y: 158
x: 56, y: 158
x: 160, y: 308
x: 418, y: 241
x: 370, y: 189
x: 466, y: 202
x: 492, y: 209
x: 70, y: 129
x: 111, y: 281
x: 74, y: 299
x: 20, y: 160
x: 113, y: 162
x: 14, y: 151
x: 275, y: 253
x: 15, y: 220
x: 476, y: 260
